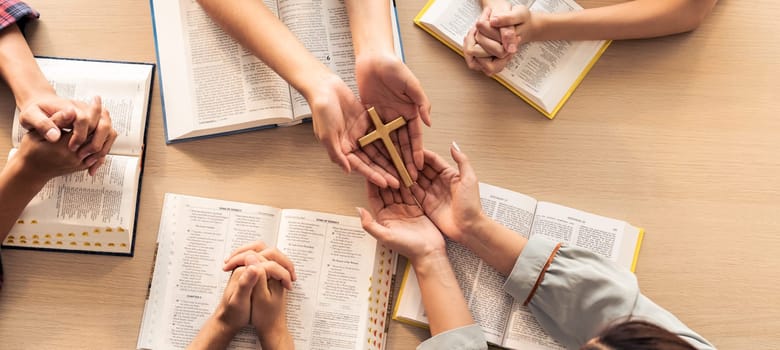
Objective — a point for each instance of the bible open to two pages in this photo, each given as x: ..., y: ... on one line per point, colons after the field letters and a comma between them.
x: 505, y: 321
x: 341, y: 297
x: 78, y: 212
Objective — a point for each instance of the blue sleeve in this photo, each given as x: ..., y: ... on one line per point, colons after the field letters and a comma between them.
x: 575, y: 293
x: 463, y: 338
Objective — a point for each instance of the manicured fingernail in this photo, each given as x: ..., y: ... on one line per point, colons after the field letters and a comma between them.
x: 455, y: 145
x: 52, y: 135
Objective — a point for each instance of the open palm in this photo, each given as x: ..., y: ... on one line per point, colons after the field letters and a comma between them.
x: 448, y: 196
x: 388, y: 85
x: 400, y: 224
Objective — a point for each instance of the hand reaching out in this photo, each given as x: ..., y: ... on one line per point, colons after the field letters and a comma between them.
x: 401, y: 225
x: 449, y: 196
x: 339, y: 121
x: 388, y: 85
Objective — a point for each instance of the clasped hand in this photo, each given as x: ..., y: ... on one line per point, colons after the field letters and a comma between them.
x: 495, y: 37
x: 47, y: 152
x: 255, y: 293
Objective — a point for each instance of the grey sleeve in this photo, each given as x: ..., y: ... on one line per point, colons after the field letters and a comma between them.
x: 463, y: 338
x: 575, y: 293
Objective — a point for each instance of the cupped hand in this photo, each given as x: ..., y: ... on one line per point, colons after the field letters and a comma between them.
x: 449, y: 196
x: 339, y: 121
x: 401, y: 224
x: 388, y: 85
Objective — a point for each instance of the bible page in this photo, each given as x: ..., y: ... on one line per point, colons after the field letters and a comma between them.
x: 323, y: 28
x: 548, y: 70
x: 210, y: 83
x: 543, y: 72
x: 482, y: 285
x: 123, y: 88
x: 334, y: 258
x: 601, y: 235
x: 201, y: 233
x: 82, y: 212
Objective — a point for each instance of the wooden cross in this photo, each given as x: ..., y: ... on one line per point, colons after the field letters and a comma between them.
x: 383, y: 132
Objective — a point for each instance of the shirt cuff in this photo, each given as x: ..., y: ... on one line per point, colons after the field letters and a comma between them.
x: 462, y: 338
x: 530, y: 267
x: 16, y: 12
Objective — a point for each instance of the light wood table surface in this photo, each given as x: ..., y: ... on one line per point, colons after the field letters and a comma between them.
x: 679, y: 135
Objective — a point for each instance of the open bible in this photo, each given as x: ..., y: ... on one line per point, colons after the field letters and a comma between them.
x: 212, y: 86
x: 78, y: 212
x: 505, y: 321
x: 543, y: 73
x: 339, y: 301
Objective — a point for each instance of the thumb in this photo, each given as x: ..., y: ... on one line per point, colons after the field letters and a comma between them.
x: 373, y: 228
x: 37, y: 120
x: 517, y: 15
x: 464, y: 165
x: 246, y: 282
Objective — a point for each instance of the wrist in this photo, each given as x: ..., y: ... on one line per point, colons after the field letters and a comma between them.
x: 319, y: 83
x: 21, y: 172
x: 477, y: 230
x: 539, y: 27
x: 277, y: 339
x: 431, y: 262
x: 493, y: 3
x: 214, y: 334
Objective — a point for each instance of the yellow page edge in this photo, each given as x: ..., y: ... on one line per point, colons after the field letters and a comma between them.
x: 551, y: 115
x: 636, y: 250
x: 580, y: 78
x: 398, y: 301
x: 460, y: 52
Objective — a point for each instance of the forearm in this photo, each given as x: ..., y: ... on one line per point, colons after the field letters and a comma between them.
x: 628, y: 20
x: 19, y: 69
x: 443, y: 300
x: 17, y: 188
x: 494, y: 243
x: 369, y: 22
x: 253, y: 25
x: 213, y: 335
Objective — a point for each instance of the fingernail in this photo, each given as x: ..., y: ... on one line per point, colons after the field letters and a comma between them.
x: 360, y: 213
x: 455, y: 145
x: 52, y: 135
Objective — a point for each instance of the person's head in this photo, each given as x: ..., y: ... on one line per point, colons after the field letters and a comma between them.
x: 636, y: 335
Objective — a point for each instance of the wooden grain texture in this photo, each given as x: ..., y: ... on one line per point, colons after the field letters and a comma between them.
x: 677, y: 135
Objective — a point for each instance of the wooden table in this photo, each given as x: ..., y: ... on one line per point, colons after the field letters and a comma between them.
x: 678, y: 135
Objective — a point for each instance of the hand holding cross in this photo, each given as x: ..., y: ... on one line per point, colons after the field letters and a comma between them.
x: 382, y: 132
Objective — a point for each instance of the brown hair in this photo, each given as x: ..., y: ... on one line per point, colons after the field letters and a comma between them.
x: 637, y: 335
